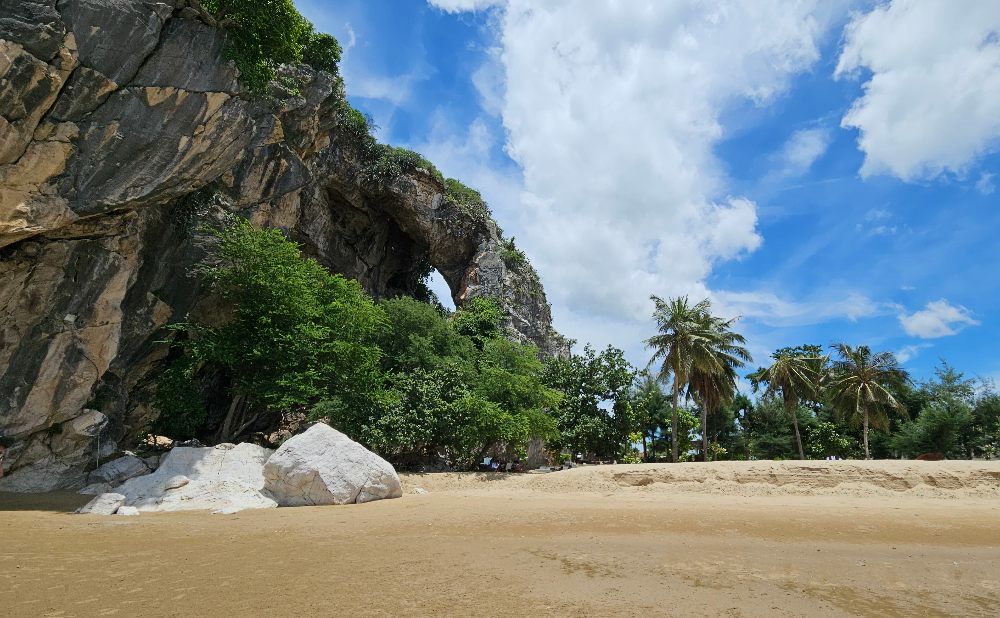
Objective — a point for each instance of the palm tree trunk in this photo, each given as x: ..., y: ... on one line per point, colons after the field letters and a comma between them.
x: 865, y: 422
x: 673, y: 420
x: 644, y: 458
x: 704, y: 434
x: 791, y: 406
x: 798, y: 436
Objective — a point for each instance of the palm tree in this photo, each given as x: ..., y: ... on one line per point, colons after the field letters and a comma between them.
x: 797, y: 376
x: 683, y: 343
x: 861, y: 387
x: 714, y: 384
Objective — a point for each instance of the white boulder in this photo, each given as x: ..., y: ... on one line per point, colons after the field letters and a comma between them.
x: 127, y: 511
x: 104, y: 504
x: 225, y: 477
x: 323, y: 466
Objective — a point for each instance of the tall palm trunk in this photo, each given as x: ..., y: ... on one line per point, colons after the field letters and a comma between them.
x: 865, y: 423
x: 704, y: 433
x: 791, y: 406
x: 673, y: 420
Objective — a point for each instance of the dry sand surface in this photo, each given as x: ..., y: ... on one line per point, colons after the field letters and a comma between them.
x: 731, y: 539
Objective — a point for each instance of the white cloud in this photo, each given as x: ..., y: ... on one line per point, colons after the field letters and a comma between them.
x: 938, y: 319
x: 801, y: 150
x: 908, y: 352
x: 932, y: 102
x: 772, y: 310
x: 455, y: 6
x: 613, y: 113
x: 985, y: 184
x: 352, y: 38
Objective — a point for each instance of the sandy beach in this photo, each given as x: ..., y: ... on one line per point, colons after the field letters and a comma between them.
x: 730, y: 538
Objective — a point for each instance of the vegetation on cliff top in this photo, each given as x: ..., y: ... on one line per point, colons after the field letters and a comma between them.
x: 265, y: 34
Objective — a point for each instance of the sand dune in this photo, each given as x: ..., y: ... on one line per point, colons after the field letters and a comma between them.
x: 726, y: 539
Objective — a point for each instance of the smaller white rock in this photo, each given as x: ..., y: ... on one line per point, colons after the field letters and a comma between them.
x: 419, y: 490
x: 104, y: 504
x: 175, y: 482
x: 127, y: 511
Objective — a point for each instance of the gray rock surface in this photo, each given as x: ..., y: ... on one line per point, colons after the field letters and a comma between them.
x: 117, y: 471
x: 323, y: 466
x: 104, y: 504
x: 113, y: 113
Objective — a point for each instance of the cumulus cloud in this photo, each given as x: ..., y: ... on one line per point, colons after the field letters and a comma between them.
x: 801, y: 150
x: 931, y: 103
x: 613, y: 112
x: 938, y: 319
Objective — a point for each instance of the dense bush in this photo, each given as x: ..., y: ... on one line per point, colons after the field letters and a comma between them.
x: 595, y: 415
x: 468, y: 200
x: 454, y: 387
x: 296, y: 333
x: 269, y: 33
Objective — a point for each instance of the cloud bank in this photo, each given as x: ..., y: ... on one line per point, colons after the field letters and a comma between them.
x: 931, y: 103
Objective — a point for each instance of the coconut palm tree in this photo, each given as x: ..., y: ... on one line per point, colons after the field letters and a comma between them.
x: 682, y: 343
x: 861, y: 386
x: 714, y: 384
x: 797, y: 373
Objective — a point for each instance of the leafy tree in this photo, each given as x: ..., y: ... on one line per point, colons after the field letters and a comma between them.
x: 651, y: 411
x: 296, y: 333
x: 595, y: 415
x: 714, y: 384
x: 263, y: 34
x: 862, y: 386
x: 939, y: 428
x: 796, y: 373
x: 419, y: 336
x: 479, y: 319
x: 683, y: 344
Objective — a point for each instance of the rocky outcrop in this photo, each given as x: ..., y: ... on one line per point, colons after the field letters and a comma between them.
x: 226, y: 478
x: 323, y: 466
x: 103, y: 504
x: 120, y: 122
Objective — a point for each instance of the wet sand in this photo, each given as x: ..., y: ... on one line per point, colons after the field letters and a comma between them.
x: 515, y: 546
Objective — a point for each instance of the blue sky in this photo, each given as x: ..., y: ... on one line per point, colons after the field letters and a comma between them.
x: 822, y: 169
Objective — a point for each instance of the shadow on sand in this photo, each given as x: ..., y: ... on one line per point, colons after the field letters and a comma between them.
x: 52, y: 502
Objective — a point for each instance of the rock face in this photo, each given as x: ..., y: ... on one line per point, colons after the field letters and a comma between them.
x: 117, y: 471
x: 223, y: 478
x: 323, y: 466
x: 119, y: 121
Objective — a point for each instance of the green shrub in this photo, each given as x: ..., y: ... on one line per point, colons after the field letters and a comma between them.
x: 468, y: 200
x: 297, y: 333
x: 269, y: 33
x: 388, y: 163
x: 512, y: 257
x: 321, y: 51
x: 479, y: 319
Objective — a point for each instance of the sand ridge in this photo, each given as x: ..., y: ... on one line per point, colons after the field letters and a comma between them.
x: 947, y: 480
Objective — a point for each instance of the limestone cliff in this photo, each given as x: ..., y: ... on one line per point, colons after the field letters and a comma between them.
x: 119, y: 120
